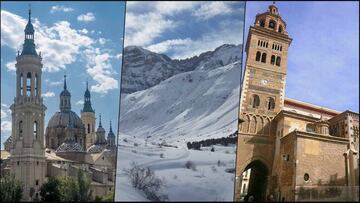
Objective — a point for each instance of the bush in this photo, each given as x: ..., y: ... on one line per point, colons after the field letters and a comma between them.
x: 190, y: 165
x: 10, y: 189
x: 161, y: 155
x: 145, y: 180
x: 212, y: 149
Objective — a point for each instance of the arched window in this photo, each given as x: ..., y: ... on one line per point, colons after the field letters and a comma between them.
x: 267, y: 43
x: 272, y: 24
x: 88, y: 128
x: 262, y: 23
x: 280, y: 28
x: 36, y: 85
x: 280, y: 48
x: 258, y: 42
x: 271, y: 103
x: 273, y: 60
x: 258, y: 56
x: 35, y: 130
x: 255, y: 101
x: 20, y: 128
x: 310, y: 127
x: 278, y: 61
x: 263, y: 57
x: 21, y: 84
x: 28, y: 84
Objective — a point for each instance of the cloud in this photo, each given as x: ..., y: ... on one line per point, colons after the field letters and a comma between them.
x: 84, y: 31
x: 5, y: 119
x: 102, y: 41
x: 168, y: 44
x: 11, y: 66
x: 212, y: 9
x: 100, y: 69
x: 88, y: 17
x: 55, y: 83
x: 59, y: 44
x: 80, y: 102
x: 147, y: 23
x: 48, y: 94
x: 60, y: 8
x: 141, y: 29
x: 119, y: 56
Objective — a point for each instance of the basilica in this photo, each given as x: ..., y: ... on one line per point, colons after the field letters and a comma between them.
x: 68, y: 144
x: 289, y: 149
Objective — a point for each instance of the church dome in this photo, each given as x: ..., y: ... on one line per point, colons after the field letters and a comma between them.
x: 70, y: 147
x: 64, y: 119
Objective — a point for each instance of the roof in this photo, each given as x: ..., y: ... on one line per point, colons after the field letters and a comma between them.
x: 311, y: 107
x: 51, y: 155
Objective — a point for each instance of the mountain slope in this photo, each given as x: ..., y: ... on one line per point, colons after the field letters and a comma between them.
x: 193, y: 105
x: 143, y: 69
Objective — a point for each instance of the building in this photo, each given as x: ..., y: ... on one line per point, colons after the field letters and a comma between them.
x: 69, y: 143
x: 296, y: 151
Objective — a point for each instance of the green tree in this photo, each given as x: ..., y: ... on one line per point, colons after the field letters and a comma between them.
x: 10, y: 189
x: 109, y: 197
x: 84, y: 181
x: 49, y: 191
x: 69, y: 189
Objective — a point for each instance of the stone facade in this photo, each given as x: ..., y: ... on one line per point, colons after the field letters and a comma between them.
x: 293, y: 147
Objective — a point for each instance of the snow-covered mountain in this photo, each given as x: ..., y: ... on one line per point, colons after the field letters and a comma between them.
x: 143, y: 69
x: 180, y: 100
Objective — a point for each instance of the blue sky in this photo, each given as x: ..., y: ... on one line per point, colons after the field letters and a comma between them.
x: 82, y: 38
x: 323, y: 62
x: 183, y: 29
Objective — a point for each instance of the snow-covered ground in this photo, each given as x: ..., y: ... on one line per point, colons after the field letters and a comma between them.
x: 198, y: 104
x: 211, y: 181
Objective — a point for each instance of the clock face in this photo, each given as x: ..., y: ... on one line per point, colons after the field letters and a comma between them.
x: 264, y: 82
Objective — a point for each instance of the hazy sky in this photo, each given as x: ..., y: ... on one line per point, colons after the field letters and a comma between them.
x: 82, y: 38
x: 323, y: 62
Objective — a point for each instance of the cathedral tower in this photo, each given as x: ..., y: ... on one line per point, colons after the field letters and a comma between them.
x: 88, y: 118
x: 262, y: 95
x: 27, y: 160
x: 111, y: 137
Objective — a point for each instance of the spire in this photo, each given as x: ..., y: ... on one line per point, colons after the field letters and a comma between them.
x: 65, y: 87
x: 110, y: 131
x: 100, y: 126
x: 29, y: 13
x: 65, y: 98
x: 87, y: 101
x: 29, y: 44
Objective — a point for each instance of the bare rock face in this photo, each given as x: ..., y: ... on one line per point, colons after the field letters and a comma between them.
x: 143, y: 69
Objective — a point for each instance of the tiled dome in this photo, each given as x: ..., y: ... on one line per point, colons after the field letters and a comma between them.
x: 70, y: 147
x: 63, y: 119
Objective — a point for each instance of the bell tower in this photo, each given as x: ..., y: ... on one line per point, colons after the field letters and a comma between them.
x: 27, y: 160
x: 262, y: 94
x: 88, y: 118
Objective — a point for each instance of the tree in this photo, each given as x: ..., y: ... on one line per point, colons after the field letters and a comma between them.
x: 109, y: 197
x: 69, y: 189
x: 49, y: 191
x: 84, y: 186
x: 10, y: 189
